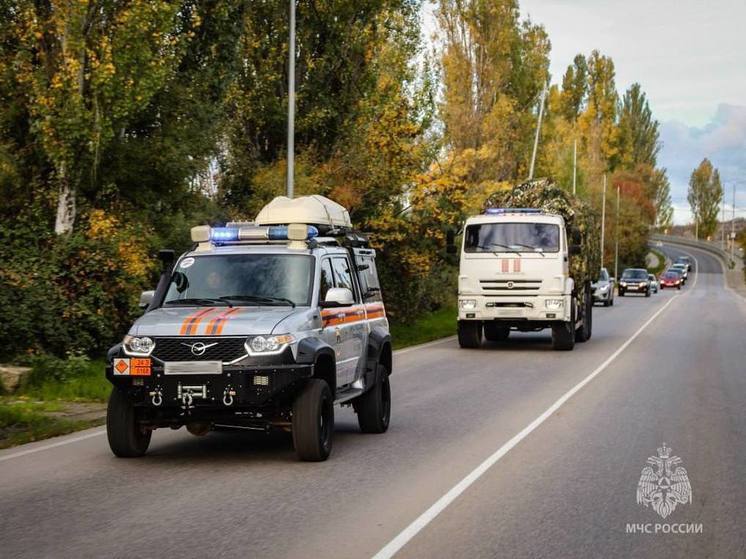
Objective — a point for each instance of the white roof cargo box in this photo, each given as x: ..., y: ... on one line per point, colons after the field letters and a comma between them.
x: 311, y: 210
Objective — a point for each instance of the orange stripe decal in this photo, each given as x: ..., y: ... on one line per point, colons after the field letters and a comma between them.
x: 215, y: 326
x: 197, y: 319
x: 189, y: 319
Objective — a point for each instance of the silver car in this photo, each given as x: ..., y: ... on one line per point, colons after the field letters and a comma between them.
x: 255, y: 335
x: 603, y: 289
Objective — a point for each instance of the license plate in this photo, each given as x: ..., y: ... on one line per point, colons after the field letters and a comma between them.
x: 193, y: 368
x: 510, y: 312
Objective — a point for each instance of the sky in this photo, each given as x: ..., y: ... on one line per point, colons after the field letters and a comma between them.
x: 689, y: 56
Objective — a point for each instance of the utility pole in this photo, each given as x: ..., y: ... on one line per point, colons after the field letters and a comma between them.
x: 574, y: 166
x: 616, y: 244
x: 291, y: 103
x: 603, y: 220
x: 722, y: 222
x: 733, y: 228
x: 538, y: 129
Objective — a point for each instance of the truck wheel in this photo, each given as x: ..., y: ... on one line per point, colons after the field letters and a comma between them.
x: 584, y: 333
x: 563, y: 336
x: 374, y: 407
x: 313, y: 421
x: 469, y: 333
x: 496, y: 332
x: 127, y: 438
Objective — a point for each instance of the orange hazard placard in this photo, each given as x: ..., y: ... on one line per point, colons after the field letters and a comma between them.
x: 121, y: 366
x: 140, y: 367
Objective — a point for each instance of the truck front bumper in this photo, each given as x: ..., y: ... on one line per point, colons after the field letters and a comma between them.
x: 540, y: 308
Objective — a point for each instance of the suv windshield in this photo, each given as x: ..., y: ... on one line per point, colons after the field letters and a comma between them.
x: 635, y: 274
x: 512, y: 237
x: 242, y: 280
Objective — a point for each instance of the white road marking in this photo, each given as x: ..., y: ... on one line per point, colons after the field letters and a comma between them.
x: 424, y: 346
x: 431, y: 513
x: 53, y: 445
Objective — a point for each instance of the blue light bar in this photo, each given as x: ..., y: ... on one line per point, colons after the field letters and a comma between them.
x: 273, y: 233
x: 502, y: 211
x: 224, y: 234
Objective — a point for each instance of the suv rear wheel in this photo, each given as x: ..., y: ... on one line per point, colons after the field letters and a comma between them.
x: 313, y: 421
x: 127, y: 438
x: 469, y: 333
x: 373, y: 408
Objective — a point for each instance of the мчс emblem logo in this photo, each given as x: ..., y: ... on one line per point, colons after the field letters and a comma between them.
x: 661, y: 486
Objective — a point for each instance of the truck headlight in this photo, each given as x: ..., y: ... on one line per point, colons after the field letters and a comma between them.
x: 136, y: 345
x: 467, y: 304
x: 268, y: 345
x: 554, y: 304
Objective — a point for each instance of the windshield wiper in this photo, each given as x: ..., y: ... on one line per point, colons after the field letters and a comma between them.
x: 532, y: 249
x: 199, y: 301
x: 258, y: 299
x: 491, y: 245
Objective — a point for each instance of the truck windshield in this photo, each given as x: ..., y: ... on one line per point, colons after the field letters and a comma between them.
x: 242, y: 280
x: 512, y: 237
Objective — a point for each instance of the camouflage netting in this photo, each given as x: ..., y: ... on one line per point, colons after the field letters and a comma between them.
x: 578, y: 215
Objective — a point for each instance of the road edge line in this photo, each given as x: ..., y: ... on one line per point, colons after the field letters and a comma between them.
x: 52, y: 445
x: 396, y: 544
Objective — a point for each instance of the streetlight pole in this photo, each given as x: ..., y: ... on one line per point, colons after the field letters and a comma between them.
x: 574, y: 166
x: 538, y: 129
x: 733, y: 228
x: 291, y: 103
x: 603, y: 220
x: 616, y: 244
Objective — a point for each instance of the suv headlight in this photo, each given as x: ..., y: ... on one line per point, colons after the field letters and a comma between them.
x: 136, y: 345
x: 467, y: 304
x: 554, y: 304
x: 268, y: 345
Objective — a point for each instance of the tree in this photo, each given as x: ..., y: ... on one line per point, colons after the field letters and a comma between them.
x: 638, y: 131
x: 574, y: 88
x: 705, y: 195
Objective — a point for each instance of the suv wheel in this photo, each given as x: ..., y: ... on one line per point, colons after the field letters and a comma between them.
x: 127, y: 438
x: 496, y: 332
x: 373, y: 408
x: 469, y: 333
x: 313, y: 421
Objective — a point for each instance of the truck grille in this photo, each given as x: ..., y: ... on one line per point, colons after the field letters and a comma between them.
x: 180, y: 349
x: 510, y: 287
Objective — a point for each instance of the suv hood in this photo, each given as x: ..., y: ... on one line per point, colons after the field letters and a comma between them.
x: 211, y: 321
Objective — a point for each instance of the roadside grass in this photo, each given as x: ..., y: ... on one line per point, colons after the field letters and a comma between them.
x: 86, y: 384
x: 661, y: 262
x: 429, y: 327
x: 41, y: 408
x: 24, y: 421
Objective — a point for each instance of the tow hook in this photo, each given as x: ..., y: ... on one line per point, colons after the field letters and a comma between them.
x: 228, y: 394
x: 187, y: 394
x: 156, y: 397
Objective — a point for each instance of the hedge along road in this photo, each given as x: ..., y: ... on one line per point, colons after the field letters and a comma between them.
x: 568, y: 487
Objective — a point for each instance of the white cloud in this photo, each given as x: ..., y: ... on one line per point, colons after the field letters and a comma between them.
x: 722, y: 141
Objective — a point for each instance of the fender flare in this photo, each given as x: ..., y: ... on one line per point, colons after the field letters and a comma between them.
x: 379, y: 349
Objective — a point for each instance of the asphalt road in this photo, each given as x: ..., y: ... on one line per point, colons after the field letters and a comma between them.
x: 562, y: 486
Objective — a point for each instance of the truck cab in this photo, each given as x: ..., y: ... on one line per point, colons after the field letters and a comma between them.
x: 514, y: 274
x: 262, y: 325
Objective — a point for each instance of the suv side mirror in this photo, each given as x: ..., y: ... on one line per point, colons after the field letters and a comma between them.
x: 146, y: 297
x: 338, y: 297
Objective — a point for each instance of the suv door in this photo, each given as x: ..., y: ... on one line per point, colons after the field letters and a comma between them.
x: 350, y: 323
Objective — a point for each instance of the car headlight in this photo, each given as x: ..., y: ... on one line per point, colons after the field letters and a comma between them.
x: 554, y: 304
x: 623, y: 283
x: 604, y: 288
x: 268, y: 345
x: 467, y: 304
x: 643, y: 284
x: 136, y: 345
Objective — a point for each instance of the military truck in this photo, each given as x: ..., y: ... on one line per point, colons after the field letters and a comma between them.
x: 262, y: 325
x: 526, y: 264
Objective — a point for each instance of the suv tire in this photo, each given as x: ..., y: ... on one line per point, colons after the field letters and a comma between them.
x: 469, y: 333
x: 494, y: 332
x: 126, y: 437
x: 313, y: 421
x: 373, y: 408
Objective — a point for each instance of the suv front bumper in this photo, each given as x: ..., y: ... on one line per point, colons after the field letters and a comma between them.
x: 514, y: 308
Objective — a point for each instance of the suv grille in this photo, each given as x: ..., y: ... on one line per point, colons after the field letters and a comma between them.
x: 180, y: 349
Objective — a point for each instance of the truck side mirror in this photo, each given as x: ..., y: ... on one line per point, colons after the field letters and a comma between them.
x: 450, y: 242
x: 337, y: 297
x: 146, y: 297
x: 575, y: 249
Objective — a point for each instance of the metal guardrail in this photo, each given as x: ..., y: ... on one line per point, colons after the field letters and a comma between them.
x: 701, y: 245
